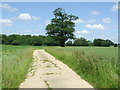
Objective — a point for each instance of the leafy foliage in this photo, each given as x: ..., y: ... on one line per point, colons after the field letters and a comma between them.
x: 40, y: 40
x: 101, y: 42
x: 69, y: 43
x: 61, y: 27
x: 15, y: 39
x: 81, y: 42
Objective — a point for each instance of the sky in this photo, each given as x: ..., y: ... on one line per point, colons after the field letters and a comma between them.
x: 96, y: 19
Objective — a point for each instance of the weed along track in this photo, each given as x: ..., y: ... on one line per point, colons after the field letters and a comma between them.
x: 47, y: 72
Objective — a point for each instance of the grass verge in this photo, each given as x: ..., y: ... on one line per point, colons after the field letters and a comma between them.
x: 16, y: 61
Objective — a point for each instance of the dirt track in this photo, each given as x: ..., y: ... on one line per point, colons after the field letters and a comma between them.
x: 47, y: 72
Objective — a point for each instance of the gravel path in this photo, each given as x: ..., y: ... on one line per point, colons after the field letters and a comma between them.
x: 47, y: 72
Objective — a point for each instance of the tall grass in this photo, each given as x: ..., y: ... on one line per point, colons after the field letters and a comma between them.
x: 15, y: 64
x: 0, y: 67
x: 99, y: 71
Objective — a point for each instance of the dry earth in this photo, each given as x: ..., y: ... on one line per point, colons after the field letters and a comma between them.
x: 47, y: 72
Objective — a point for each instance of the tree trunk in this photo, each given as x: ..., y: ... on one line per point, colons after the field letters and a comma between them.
x: 62, y: 43
x: 62, y: 40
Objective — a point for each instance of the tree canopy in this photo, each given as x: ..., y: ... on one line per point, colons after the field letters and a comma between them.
x: 16, y: 39
x: 81, y: 42
x: 61, y: 27
x: 101, y: 42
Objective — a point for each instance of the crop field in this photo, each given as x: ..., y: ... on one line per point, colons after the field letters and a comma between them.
x: 108, y: 52
x: 97, y: 65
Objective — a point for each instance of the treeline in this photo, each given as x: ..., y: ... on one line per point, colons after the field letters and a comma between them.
x: 16, y: 39
x: 96, y: 42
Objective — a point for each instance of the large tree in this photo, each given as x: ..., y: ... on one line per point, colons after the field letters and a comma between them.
x: 61, y: 27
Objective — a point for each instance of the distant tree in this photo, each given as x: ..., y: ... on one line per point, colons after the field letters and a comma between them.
x: 13, y: 37
x: 49, y: 41
x: 61, y: 27
x: 108, y: 43
x: 38, y: 40
x: 27, y: 40
x: 16, y: 42
x: 115, y: 45
x: 118, y: 44
x: 89, y: 43
x: 16, y: 39
x: 4, y: 39
x: 102, y: 42
x: 0, y: 39
x: 69, y: 43
x: 97, y: 42
x: 81, y: 42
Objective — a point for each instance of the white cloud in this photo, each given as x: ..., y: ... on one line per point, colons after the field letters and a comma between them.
x: 78, y: 32
x: 47, y: 22
x: 27, y: 16
x: 95, y: 26
x: 94, y: 12
x: 84, y: 21
x: 6, y: 22
x: 8, y: 7
x: 28, y: 31
x: 91, y: 21
x: 115, y: 7
x: 107, y: 20
x: 82, y: 32
x: 34, y: 18
x: 78, y: 36
x: 24, y: 16
x: 85, y: 32
x: 79, y: 21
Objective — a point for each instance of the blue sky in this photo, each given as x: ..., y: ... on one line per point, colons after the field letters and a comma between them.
x: 96, y: 19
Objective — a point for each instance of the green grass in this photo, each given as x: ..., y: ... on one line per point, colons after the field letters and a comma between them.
x: 16, y: 61
x: 97, y: 65
x: 0, y: 67
x: 108, y: 52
